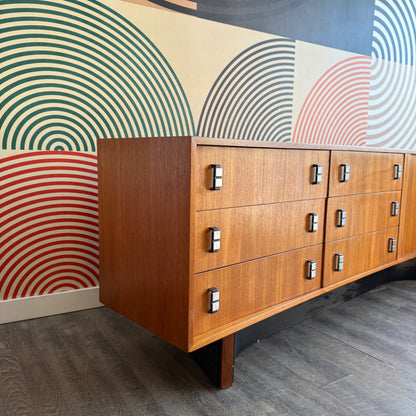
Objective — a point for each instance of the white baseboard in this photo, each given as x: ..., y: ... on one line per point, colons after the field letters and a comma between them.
x: 37, y: 306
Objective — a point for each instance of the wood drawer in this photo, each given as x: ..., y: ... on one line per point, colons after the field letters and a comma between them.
x: 252, y: 286
x: 407, y: 237
x: 369, y: 172
x: 361, y: 254
x: 255, y: 176
x: 364, y: 213
x: 256, y: 231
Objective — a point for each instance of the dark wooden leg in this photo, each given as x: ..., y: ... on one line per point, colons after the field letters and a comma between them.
x: 217, y: 361
x: 226, y: 363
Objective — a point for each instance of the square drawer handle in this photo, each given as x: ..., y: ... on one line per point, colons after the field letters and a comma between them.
x: 397, y: 171
x: 316, y: 174
x: 339, y: 262
x: 214, y: 239
x: 341, y: 217
x: 394, y: 209
x: 216, y: 177
x: 213, y: 300
x: 344, y: 172
x: 310, y: 269
x: 313, y: 222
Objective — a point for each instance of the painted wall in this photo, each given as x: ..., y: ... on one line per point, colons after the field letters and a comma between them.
x: 72, y: 71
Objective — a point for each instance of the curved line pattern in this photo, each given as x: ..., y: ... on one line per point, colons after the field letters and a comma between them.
x: 253, y: 96
x: 335, y: 111
x: 394, y: 31
x: 393, y: 78
x: 48, y: 224
x: 87, y: 65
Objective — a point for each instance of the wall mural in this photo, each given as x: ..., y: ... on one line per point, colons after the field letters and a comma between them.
x: 253, y: 95
x: 392, y: 105
x: 76, y: 71
x: 312, y: 71
x: 49, y: 222
x: 335, y: 111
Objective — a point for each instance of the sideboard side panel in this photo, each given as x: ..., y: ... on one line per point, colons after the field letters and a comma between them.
x: 144, y: 218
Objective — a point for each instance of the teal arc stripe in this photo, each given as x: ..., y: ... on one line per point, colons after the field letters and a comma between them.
x: 97, y: 67
x: 80, y: 72
x: 70, y: 115
x: 129, y: 45
x: 69, y: 138
x: 54, y: 124
x: 161, y: 83
x: 71, y: 100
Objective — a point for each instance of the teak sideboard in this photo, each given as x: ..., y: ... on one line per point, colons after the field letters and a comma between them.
x: 200, y: 238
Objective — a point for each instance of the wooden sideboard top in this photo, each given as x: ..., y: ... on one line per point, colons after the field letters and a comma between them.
x: 202, y: 141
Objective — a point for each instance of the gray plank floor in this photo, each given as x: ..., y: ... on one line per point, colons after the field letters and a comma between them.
x: 356, y: 358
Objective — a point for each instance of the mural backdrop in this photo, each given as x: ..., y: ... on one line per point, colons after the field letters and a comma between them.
x: 72, y: 72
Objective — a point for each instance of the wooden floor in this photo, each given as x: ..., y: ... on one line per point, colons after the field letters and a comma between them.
x: 357, y: 358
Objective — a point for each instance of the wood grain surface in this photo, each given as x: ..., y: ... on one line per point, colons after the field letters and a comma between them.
x: 257, y: 176
x: 144, y: 220
x: 356, y: 358
x: 407, y: 233
x: 249, y: 287
x: 364, y: 213
x: 361, y: 254
x: 369, y: 172
x: 256, y: 231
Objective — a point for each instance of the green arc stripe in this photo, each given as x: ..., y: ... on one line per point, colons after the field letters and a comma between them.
x: 52, y: 142
x: 79, y: 73
x: 75, y: 98
x: 120, y: 62
x: 65, y: 134
x: 134, y: 34
x: 132, y: 31
x: 98, y: 67
x: 81, y: 93
x: 39, y: 120
x: 64, y: 116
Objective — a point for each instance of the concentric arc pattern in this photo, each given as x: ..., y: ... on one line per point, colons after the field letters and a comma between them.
x: 335, y: 111
x: 74, y: 71
x: 252, y: 98
x: 48, y: 223
x: 393, y: 76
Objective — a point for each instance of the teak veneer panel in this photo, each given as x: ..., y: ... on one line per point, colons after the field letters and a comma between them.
x: 258, y: 176
x: 155, y: 206
x: 249, y: 287
x: 287, y: 175
x: 407, y: 235
x: 369, y: 172
x: 361, y: 254
x: 144, y: 232
x: 364, y: 213
x: 256, y: 231
x: 242, y: 177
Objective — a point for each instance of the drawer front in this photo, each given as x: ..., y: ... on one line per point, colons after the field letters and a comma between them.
x: 407, y: 245
x: 254, y: 176
x: 248, y: 233
x: 288, y: 175
x: 360, y: 254
x: 253, y: 286
x: 242, y: 180
x: 362, y: 214
x: 368, y: 172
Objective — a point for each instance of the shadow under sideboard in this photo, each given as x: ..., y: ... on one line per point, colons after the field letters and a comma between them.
x: 211, y: 357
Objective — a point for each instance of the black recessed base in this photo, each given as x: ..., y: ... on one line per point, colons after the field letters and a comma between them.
x: 208, y: 358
